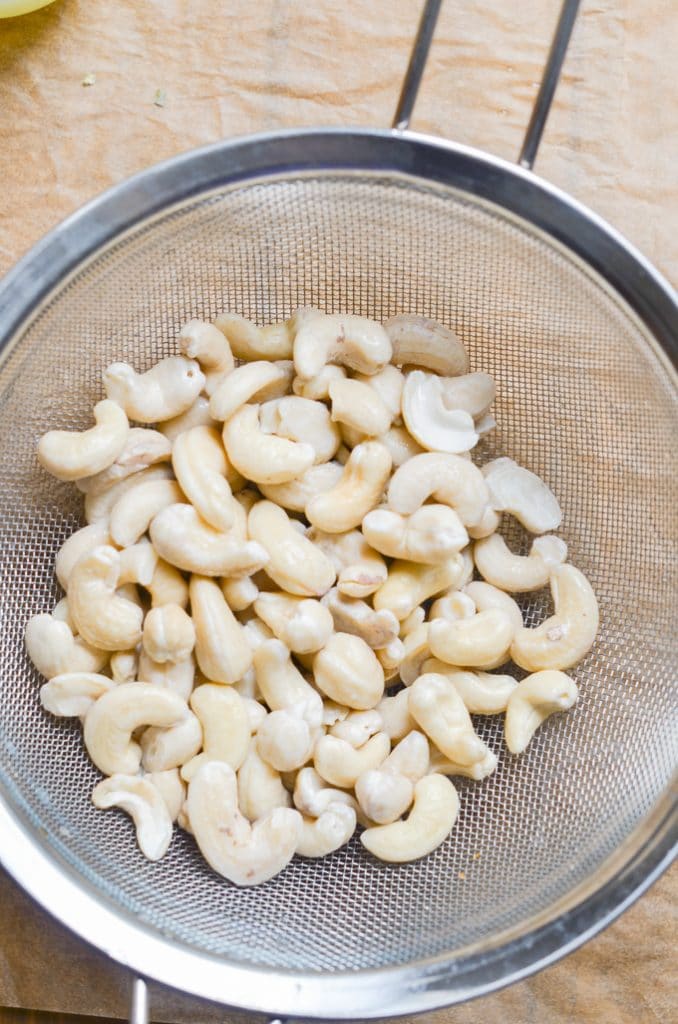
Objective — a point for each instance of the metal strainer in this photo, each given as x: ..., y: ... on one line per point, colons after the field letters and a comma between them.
x: 576, y: 328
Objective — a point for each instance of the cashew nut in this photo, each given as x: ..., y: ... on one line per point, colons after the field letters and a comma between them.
x: 138, y: 564
x: 145, y: 805
x: 197, y: 415
x: 449, y: 479
x: 457, y: 605
x: 340, y: 764
x: 221, y: 647
x: 245, y: 854
x: 301, y: 419
x: 482, y: 641
x: 164, y: 391
x: 102, y: 617
x: 242, y: 385
x: 175, y: 676
x: 168, y: 586
x: 361, y: 569
x: 296, y: 494
x: 348, y: 671
x: 441, y: 713
x: 260, y: 789
x: 432, y: 533
x: 80, y: 543
x: 390, y: 658
x: 564, y: 638
x: 361, y: 485
x: 249, y: 342
x: 414, y: 620
x: 263, y: 458
x: 481, y: 692
x: 184, y: 540
x: 357, y: 727
x: 239, y: 593
x: 518, y: 573
x: 99, y: 505
x: 473, y: 393
x: 395, y: 715
x: 171, y: 788
x: 113, y: 718
x: 295, y: 563
x: 199, y: 461
x: 350, y: 340
x: 280, y: 681
x: 435, y: 809
x: 430, y: 421
x: 206, y: 343
x: 401, y: 445
x: 285, y: 739
x: 388, y: 385
x: 72, y: 694
x: 490, y: 522
x: 168, y: 634
x: 359, y: 406
x: 163, y: 749
x: 143, y: 448
x: 323, y: 835
x: 485, y: 597
x: 312, y: 795
x: 522, y: 494
x: 533, y: 700
x: 418, y: 341
x: 385, y: 793
x: 416, y: 650
x: 303, y: 625
x: 411, y: 583
x: 225, y: 728
x: 72, y: 454
x: 124, y: 666
x: 352, y: 615
x: 318, y: 388
x: 477, y: 771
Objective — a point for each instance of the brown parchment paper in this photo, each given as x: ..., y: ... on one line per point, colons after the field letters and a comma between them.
x: 240, y: 66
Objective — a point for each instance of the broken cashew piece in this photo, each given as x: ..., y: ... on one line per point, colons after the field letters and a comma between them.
x: 564, y: 638
x: 263, y: 458
x: 164, y: 391
x: 448, y: 479
x: 206, y: 343
x: 428, y: 419
x: 187, y: 542
x: 522, y: 494
x: 72, y: 694
x: 533, y: 700
x: 518, y: 573
x: 295, y: 563
x: 437, y: 707
x: 249, y: 342
x: 432, y: 533
x: 435, y: 810
x: 327, y: 833
x: 350, y: 340
x: 348, y: 672
x: 69, y: 455
x: 361, y: 485
x: 102, y: 617
x: 418, y: 341
x: 113, y: 718
x: 199, y: 462
x: 144, y: 804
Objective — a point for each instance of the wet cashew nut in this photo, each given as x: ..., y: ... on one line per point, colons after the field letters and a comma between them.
x: 482, y: 641
x: 327, y: 833
x: 432, y: 533
x: 240, y: 386
x: 357, y: 727
x: 359, y: 406
x: 186, y: 541
x: 124, y: 666
x: 295, y: 563
x: 137, y: 564
x: 221, y: 647
x: 388, y: 385
x: 410, y: 584
x: 397, y: 721
x: 518, y: 573
x: 168, y: 586
x: 300, y: 419
x: 209, y: 346
x: 361, y: 485
x: 347, y: 671
x: 163, y: 749
x: 441, y: 713
x: 303, y: 624
x: 533, y: 700
x: 144, y: 804
x: 429, y: 420
x: 168, y: 634
x: 99, y: 505
x: 199, y: 462
x: 350, y: 340
x: 175, y: 676
x: 401, y: 445
x: 385, y: 793
x: 564, y: 638
x: 522, y: 494
x: 197, y: 415
x: 312, y: 795
x: 102, y: 617
x: 318, y: 388
x: 449, y: 479
x: 245, y: 854
x: 418, y: 341
x: 249, y: 342
x: 481, y: 692
x: 54, y: 650
x: 352, y: 615
x: 171, y: 788
x: 435, y: 810
x: 72, y: 694
x: 263, y: 458
x: 71, y: 454
x: 225, y: 728
x: 280, y: 681
x: 260, y: 788
x: 239, y: 593
x: 113, y: 718
x: 285, y: 739
x: 340, y: 764
x: 133, y: 513
x: 296, y: 494
x: 80, y: 543
x: 164, y: 391
x: 143, y: 448
x: 361, y: 570
x: 485, y: 597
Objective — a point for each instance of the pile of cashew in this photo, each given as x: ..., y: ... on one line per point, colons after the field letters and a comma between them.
x: 271, y: 631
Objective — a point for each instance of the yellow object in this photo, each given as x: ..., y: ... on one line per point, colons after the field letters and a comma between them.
x: 10, y: 8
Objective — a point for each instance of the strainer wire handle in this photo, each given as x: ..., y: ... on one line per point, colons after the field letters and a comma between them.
x: 138, y: 1012
x: 547, y: 87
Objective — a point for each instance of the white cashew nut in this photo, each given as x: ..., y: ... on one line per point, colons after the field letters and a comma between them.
x: 245, y: 854
x: 518, y: 573
x: 206, y: 343
x: 304, y: 625
x: 332, y: 830
x: 295, y: 563
x: 99, y: 505
x: 72, y: 694
x: 175, y: 676
x: 242, y: 385
x: 359, y: 406
x: 361, y: 570
x: 296, y: 494
x: 80, y: 543
x: 312, y: 795
x: 352, y: 341
x: 410, y: 584
x: 301, y: 419
x: 225, y: 728
x: 132, y: 513
x: 144, y: 804
x: 263, y: 458
x: 221, y: 647
x: 485, y: 596
x: 482, y: 641
x: 533, y: 700
x: 54, y: 650
x: 385, y: 793
x: 260, y: 788
x: 143, y: 448
x: 435, y: 810
x: 249, y: 342
x: 340, y: 764
x: 184, y: 540
x: 163, y: 749
x: 168, y: 586
x: 564, y: 638
x: 197, y: 415
x: 102, y: 617
x: 282, y: 684
x: 72, y: 454
x: 401, y: 445
x: 113, y: 718
x: 357, y: 727
x: 361, y: 485
x: 348, y: 671
x: 239, y: 593
x: 351, y: 615
x: 285, y: 739
x: 473, y: 393
x: 481, y: 692
x: 199, y: 462
x: 418, y: 341
x: 449, y: 479
x: 168, y: 634
x: 395, y: 715
x: 164, y: 391
x: 522, y: 494
x: 441, y: 713
x: 388, y: 385
x: 138, y: 564
x: 430, y: 421
x: 432, y: 533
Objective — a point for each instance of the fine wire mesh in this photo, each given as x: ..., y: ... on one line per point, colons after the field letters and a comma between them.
x: 582, y: 400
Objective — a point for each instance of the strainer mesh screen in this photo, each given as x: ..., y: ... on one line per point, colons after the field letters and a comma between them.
x: 583, y: 400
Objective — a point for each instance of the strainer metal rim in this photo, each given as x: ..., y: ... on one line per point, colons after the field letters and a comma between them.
x: 414, y: 158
